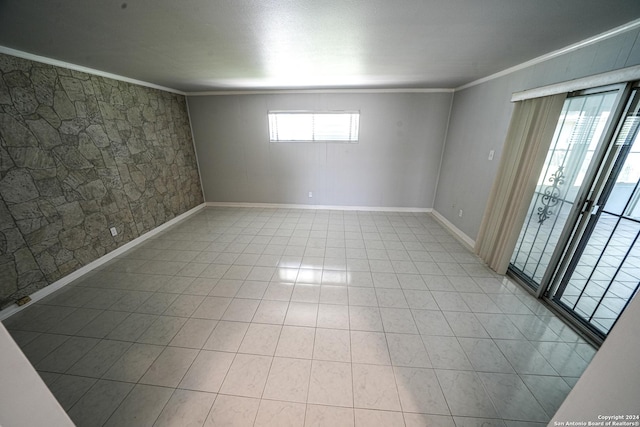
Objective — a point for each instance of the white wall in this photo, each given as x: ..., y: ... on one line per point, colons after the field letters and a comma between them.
x: 611, y: 383
x: 395, y: 163
x: 24, y: 398
x: 480, y: 118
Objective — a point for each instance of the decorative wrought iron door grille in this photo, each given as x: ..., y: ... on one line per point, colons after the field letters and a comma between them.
x: 577, y: 134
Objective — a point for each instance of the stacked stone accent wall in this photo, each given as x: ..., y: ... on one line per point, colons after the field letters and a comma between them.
x: 80, y: 154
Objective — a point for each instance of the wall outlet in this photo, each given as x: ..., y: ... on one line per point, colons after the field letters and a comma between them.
x: 460, y: 213
x: 310, y: 194
x: 113, y: 231
x: 491, y: 153
x: 24, y: 300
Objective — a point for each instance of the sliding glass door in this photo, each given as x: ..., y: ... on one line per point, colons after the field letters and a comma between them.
x: 604, y: 272
x: 580, y: 244
x: 577, y: 137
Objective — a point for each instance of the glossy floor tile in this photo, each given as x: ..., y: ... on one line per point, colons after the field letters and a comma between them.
x: 286, y: 317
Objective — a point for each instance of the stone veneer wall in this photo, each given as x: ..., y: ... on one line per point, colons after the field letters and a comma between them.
x: 79, y: 154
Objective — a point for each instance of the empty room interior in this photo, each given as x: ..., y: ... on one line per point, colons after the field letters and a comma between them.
x: 319, y: 213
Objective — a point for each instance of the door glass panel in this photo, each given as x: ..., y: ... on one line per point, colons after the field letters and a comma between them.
x: 576, y: 138
x: 605, y: 272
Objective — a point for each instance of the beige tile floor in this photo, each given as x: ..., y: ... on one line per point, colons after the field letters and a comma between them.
x: 284, y: 317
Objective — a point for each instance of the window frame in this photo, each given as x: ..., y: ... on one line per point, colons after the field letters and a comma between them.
x: 353, y: 131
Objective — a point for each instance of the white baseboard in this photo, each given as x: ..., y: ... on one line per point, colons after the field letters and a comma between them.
x: 466, y: 240
x: 317, y: 207
x: 46, y: 291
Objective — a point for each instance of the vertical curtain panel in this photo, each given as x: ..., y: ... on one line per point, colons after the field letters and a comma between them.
x: 528, y: 139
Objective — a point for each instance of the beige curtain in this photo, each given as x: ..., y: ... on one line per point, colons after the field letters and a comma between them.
x: 532, y: 127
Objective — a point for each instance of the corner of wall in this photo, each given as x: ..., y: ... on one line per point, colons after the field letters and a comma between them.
x: 467, y: 241
x: 195, y: 150
x: 444, y: 146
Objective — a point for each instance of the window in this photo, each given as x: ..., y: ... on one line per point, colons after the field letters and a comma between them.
x: 304, y: 126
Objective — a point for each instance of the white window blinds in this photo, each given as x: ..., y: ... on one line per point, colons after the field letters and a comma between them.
x: 303, y: 126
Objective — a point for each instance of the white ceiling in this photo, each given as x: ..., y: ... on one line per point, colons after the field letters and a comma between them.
x: 202, y: 45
